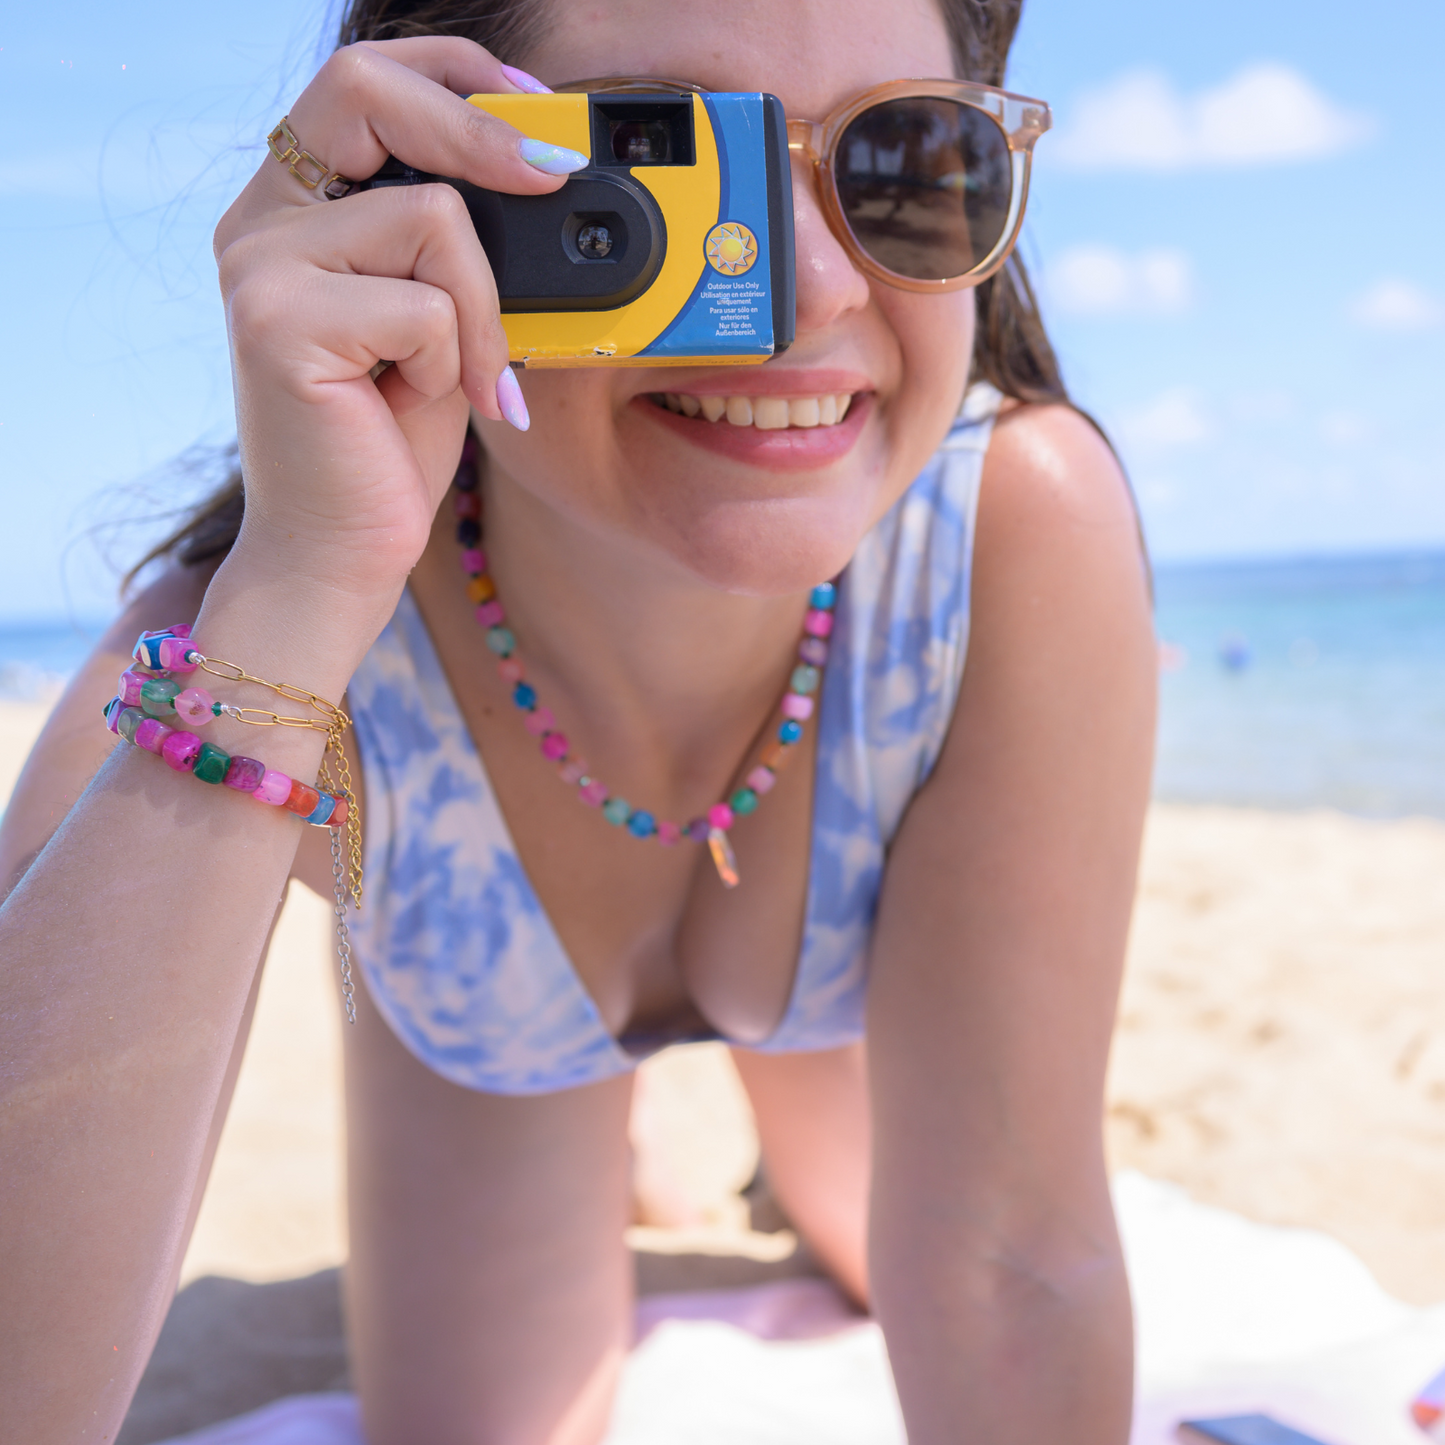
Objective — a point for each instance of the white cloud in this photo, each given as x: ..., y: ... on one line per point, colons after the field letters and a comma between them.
x: 1263, y: 112
x: 1093, y: 280
x: 1391, y: 304
x: 1174, y: 419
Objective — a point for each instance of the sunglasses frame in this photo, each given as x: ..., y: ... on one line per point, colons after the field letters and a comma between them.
x: 1020, y: 118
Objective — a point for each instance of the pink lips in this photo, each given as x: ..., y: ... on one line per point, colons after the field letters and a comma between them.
x: 793, y: 449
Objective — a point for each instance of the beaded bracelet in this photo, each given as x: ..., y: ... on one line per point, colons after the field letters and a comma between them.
x: 148, y: 695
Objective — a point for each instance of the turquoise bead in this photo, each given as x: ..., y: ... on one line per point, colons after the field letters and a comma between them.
x: 743, y: 802
x: 790, y: 732
x: 211, y: 764
x: 824, y: 596
x: 158, y: 696
x: 805, y: 679
x: 615, y: 810
x: 525, y: 696
x: 641, y: 824
x: 501, y: 641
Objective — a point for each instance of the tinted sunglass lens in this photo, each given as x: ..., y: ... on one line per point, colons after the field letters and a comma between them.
x: 925, y: 184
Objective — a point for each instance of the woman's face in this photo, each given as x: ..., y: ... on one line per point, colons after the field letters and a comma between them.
x: 749, y: 510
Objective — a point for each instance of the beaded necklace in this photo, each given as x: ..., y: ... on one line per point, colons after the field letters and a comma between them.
x: 794, y: 708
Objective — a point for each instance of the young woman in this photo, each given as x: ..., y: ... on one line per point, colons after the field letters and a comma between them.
x: 945, y: 865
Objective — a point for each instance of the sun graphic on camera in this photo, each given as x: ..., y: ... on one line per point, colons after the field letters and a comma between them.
x: 731, y: 248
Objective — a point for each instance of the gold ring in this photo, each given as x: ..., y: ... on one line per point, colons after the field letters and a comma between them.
x: 283, y: 144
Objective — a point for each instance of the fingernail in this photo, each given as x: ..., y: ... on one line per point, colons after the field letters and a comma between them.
x: 511, y: 400
x: 526, y: 82
x: 554, y: 160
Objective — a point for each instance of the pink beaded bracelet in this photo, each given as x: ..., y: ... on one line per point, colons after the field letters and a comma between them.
x: 187, y: 753
x: 149, y: 695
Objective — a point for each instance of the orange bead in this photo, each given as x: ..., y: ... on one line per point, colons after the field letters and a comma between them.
x: 774, y: 756
x: 303, y: 800
x: 481, y: 589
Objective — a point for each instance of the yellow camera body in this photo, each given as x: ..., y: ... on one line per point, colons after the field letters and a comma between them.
x: 673, y: 247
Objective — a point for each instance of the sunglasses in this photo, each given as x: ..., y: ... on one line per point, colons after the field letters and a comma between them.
x: 923, y: 182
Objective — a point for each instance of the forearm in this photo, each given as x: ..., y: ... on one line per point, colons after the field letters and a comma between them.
x: 996, y: 1339
x: 130, y: 948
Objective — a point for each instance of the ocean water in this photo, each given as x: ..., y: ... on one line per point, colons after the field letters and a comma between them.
x: 1306, y: 683
x: 1286, y: 684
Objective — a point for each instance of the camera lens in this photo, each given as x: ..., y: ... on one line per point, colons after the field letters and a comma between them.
x: 640, y: 142
x: 594, y: 242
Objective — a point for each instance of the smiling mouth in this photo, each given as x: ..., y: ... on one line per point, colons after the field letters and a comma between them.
x: 763, y: 413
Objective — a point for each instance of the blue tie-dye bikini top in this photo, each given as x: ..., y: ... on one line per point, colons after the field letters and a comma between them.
x: 453, y: 943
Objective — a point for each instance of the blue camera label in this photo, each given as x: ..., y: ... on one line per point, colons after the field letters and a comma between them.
x: 730, y: 311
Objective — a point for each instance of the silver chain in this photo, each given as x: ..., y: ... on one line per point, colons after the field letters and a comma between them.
x: 343, y: 937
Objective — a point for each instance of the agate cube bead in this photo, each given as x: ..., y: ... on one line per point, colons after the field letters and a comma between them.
x: 790, y: 731
x: 818, y: 623
x: 491, y: 614
x: 805, y: 679
x: 303, y: 799
x: 797, y: 706
x: 180, y: 749
x: 481, y: 589
x: 761, y: 779
x: 244, y: 774
x: 158, y: 696
x: 501, y: 641
x: 525, y: 695
x: 669, y: 835
x: 211, y: 763
x: 539, y: 721
x: 720, y: 816
x: 468, y: 503
x: 320, y: 815
x: 814, y: 650
x: 274, y: 788
x: 469, y: 532
x: 129, y: 686
x: 641, y: 824
x: 126, y: 724
x: 509, y: 670
x: 697, y: 830
x: 824, y: 596
x: 616, y: 810
x: 175, y: 654
x: 474, y: 560
x: 593, y: 793
x: 151, y: 733
x: 554, y: 747
x: 743, y: 802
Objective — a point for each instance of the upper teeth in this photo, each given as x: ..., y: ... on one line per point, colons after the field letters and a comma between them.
x: 767, y: 413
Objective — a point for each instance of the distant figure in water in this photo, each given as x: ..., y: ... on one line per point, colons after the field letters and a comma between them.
x: 1234, y: 653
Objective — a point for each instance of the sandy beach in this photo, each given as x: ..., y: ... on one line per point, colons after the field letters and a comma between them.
x: 1281, y: 1052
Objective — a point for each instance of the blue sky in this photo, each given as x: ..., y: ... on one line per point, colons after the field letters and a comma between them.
x: 1235, y: 225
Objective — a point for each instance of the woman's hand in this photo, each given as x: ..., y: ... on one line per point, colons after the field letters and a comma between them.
x: 343, y: 474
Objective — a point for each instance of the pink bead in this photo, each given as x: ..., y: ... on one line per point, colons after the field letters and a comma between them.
x: 509, y: 670
x: 798, y: 707
x: 180, y: 750
x: 174, y: 652
x: 720, y: 816
x: 818, y: 623
x: 492, y: 614
x: 761, y: 780
x: 539, y: 721
x: 194, y: 706
x: 151, y: 734
x: 275, y: 788
x: 573, y: 772
x: 594, y: 794
x: 669, y: 834
x: 554, y: 747
x: 473, y: 560
x: 468, y: 504
x: 129, y: 686
x: 813, y: 650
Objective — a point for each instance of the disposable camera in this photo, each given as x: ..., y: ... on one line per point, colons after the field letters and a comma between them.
x: 674, y: 247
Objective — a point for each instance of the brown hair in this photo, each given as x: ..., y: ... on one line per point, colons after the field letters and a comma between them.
x: 1011, y: 349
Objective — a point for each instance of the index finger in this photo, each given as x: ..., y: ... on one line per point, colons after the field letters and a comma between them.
x: 399, y: 97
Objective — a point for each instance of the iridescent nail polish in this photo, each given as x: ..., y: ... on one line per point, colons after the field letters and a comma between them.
x: 511, y: 400
x: 554, y: 160
x: 523, y: 81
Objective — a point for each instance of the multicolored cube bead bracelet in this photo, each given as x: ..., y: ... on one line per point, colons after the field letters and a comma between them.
x: 794, y: 708
x: 149, y: 706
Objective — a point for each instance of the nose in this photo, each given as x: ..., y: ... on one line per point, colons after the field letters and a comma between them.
x: 829, y: 285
